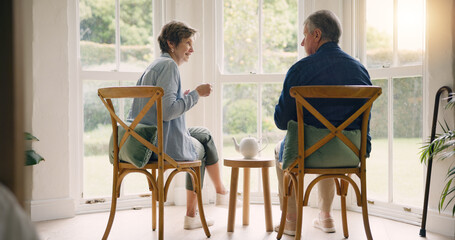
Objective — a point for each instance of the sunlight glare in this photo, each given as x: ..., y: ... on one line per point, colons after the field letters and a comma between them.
x: 410, y: 24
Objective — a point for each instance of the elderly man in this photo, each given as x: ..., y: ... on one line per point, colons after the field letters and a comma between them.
x: 326, y: 64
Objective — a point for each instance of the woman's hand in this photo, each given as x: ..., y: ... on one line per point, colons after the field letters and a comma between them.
x: 204, y: 90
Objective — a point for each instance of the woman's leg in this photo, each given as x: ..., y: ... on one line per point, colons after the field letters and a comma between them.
x: 191, y: 197
x: 214, y: 174
x: 210, y: 160
x: 191, y: 203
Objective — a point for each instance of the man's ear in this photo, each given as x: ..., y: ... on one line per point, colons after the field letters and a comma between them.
x: 317, y: 34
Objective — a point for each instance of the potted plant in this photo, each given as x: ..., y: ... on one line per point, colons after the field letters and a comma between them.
x: 32, y: 157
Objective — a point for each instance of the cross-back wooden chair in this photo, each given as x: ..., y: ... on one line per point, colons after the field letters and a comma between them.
x: 294, y: 174
x: 156, y: 182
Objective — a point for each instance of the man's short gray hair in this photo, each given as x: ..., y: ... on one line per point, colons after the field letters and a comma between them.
x: 327, y: 22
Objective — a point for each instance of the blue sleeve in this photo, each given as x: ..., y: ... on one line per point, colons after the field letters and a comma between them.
x: 285, y: 109
x: 174, y: 105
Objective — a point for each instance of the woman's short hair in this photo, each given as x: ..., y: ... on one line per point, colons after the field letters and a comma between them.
x: 174, y: 32
x: 327, y: 22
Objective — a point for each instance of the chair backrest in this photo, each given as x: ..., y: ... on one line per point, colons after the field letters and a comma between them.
x: 303, y: 93
x: 155, y: 95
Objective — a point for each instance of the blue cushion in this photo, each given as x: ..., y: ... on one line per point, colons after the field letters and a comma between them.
x: 133, y: 151
x: 334, y: 154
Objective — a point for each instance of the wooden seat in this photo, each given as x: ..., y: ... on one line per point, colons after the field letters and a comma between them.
x: 156, y: 182
x: 294, y: 174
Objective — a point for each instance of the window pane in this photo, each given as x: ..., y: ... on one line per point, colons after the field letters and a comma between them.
x: 407, y: 139
x: 97, y: 131
x: 134, y: 183
x: 378, y: 164
x: 136, y: 34
x: 240, y: 30
x: 279, y: 35
x: 410, y: 32
x: 239, y: 120
x: 270, y: 133
x: 97, y: 34
x: 379, y: 48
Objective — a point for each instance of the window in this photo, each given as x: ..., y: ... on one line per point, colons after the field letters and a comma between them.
x: 259, y: 42
x: 116, y: 35
x: 116, y: 44
x: 394, y: 56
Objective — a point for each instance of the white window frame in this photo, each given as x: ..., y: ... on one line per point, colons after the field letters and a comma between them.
x: 353, y: 42
x: 127, y: 201
x: 256, y: 78
x: 389, y: 209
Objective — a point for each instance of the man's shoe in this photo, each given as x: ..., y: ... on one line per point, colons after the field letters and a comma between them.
x: 222, y: 200
x: 195, y: 222
x: 289, y: 228
x: 326, y: 225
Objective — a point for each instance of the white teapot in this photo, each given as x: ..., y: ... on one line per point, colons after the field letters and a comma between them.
x: 248, y: 147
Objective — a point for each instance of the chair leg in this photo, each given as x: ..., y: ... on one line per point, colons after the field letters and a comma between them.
x: 198, y: 189
x: 154, y: 194
x: 161, y: 204
x: 366, y: 221
x: 284, y: 206
x: 343, y: 192
x: 113, y: 206
x: 344, y: 217
x: 298, y: 227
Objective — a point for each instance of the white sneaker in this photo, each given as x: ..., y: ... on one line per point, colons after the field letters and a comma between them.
x: 222, y: 200
x: 195, y: 222
x: 287, y: 228
x: 326, y: 225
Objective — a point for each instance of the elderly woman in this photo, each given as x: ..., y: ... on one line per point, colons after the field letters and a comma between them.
x: 176, y: 43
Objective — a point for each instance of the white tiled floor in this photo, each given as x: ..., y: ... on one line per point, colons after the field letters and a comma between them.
x: 136, y: 224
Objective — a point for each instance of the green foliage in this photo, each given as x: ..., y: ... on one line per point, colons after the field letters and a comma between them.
x: 93, y: 53
x: 97, y: 28
x: 31, y: 157
x: 407, y: 107
x: 98, y: 21
x: 241, y: 117
x: 96, y: 141
x: 378, y: 39
x: 379, y: 117
x: 95, y: 112
x: 241, y: 29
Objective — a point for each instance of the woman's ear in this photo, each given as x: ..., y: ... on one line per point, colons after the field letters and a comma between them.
x: 170, y: 45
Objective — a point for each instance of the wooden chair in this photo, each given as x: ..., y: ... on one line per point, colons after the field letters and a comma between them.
x: 294, y: 174
x: 156, y: 182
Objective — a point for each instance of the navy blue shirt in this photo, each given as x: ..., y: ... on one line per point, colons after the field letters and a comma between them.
x: 328, y: 66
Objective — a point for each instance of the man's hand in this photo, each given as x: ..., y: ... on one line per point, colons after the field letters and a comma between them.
x: 204, y: 90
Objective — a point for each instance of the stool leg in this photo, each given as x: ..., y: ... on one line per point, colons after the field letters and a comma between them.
x: 267, y: 202
x: 232, y: 199
x: 246, y: 196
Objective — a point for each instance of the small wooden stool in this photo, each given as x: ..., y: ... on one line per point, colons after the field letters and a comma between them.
x: 246, y: 164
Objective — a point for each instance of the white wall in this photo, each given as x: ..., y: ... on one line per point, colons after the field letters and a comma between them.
x: 49, y: 110
x: 52, y: 84
x: 440, y: 72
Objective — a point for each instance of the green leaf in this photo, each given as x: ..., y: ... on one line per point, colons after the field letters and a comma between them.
x: 32, y: 158
x: 29, y: 136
